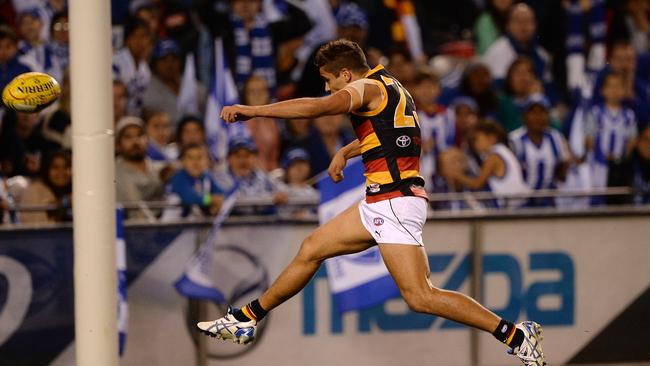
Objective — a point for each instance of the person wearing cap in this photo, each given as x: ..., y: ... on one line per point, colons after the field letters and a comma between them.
x: 541, y: 150
x: 167, y: 83
x: 131, y: 63
x: 296, y: 178
x: 243, y: 171
x: 137, y: 177
x: 29, y: 26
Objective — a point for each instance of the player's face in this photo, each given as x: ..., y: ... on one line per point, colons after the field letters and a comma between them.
x: 195, y: 161
x: 335, y: 83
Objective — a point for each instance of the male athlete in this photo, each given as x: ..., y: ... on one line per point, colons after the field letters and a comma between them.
x: 388, y: 137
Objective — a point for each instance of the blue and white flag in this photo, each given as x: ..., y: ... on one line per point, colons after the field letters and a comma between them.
x: 122, y: 308
x: 197, y: 281
x: 359, y: 280
x: 223, y: 92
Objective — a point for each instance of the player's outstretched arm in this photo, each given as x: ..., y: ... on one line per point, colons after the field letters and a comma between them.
x: 337, y: 103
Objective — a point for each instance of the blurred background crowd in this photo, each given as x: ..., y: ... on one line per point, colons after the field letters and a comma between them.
x: 512, y: 97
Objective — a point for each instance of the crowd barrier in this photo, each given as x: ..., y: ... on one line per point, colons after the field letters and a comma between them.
x: 583, y: 275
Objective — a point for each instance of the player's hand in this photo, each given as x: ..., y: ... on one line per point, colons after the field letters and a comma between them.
x: 237, y: 112
x: 336, y: 167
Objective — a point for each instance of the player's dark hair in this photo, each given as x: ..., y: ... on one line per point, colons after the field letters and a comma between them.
x: 185, y: 149
x: 491, y: 128
x: 7, y: 33
x: 341, y: 54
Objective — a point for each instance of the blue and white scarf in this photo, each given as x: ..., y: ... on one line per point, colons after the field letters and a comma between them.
x: 254, y: 51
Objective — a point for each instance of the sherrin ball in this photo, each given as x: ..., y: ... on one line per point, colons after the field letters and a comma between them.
x: 31, y: 92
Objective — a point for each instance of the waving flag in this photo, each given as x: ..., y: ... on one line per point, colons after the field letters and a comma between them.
x: 197, y: 281
x: 359, y: 280
x: 188, y: 96
x: 122, y: 309
x: 223, y: 92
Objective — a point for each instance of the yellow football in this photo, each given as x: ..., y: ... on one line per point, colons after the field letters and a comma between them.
x: 31, y: 92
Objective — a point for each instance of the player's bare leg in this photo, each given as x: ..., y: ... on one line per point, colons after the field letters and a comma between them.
x: 409, y: 267
x: 344, y: 234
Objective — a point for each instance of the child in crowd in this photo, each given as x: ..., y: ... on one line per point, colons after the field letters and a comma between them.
x: 500, y: 171
x: 297, y: 171
x: 611, y: 129
x: 193, y: 184
x: 10, y: 66
x: 542, y: 151
x: 190, y: 130
x: 158, y: 129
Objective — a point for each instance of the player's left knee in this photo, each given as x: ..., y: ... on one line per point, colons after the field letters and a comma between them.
x: 417, y: 300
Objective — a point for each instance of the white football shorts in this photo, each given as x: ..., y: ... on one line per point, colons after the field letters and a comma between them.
x: 395, y: 221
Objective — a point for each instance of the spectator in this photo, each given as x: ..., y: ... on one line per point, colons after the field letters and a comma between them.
x: 120, y: 100
x: 325, y: 139
x: 30, y: 26
x: 542, y: 151
x: 190, y: 130
x: 57, y: 125
x: 10, y: 66
x: 22, y: 144
x: 352, y: 24
x: 149, y: 13
x: 500, y: 171
x: 130, y: 64
x: 58, y: 46
x: 491, y: 24
x: 611, y: 129
x: 477, y: 84
x: 521, y: 82
x: 242, y: 172
x: 52, y: 187
x: 297, y: 172
x: 623, y: 60
x: 164, y: 89
x: 264, y: 131
x: 635, y: 24
x: 425, y: 92
x: 159, y: 133
x: 51, y: 56
x: 193, y: 184
x: 246, y: 25
x: 137, y: 177
x: 401, y: 66
x: 519, y: 40
x: 634, y: 172
x: 294, y: 133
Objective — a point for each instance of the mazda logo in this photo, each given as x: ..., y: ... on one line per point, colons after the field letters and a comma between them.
x: 403, y: 141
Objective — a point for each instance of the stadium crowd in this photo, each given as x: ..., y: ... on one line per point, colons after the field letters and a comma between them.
x: 512, y: 96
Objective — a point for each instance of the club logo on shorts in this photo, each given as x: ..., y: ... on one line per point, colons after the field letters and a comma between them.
x: 378, y: 221
x: 403, y: 141
x: 373, y: 188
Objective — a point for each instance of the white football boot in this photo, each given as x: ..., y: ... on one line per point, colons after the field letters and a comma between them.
x: 228, y: 327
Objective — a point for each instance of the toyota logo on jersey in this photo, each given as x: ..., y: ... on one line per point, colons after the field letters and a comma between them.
x: 403, y: 141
